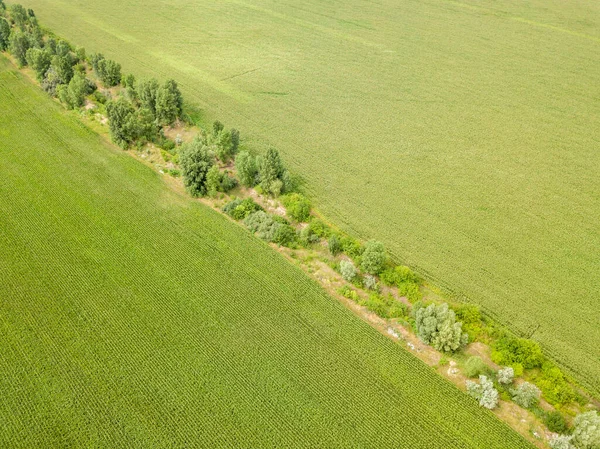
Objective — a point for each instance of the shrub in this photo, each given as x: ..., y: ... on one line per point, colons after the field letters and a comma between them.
x: 347, y: 270
x: 297, y: 206
x: 484, y: 392
x: 373, y: 257
x: 245, y: 164
x: 307, y: 236
x: 284, y: 235
x: 474, y: 366
x: 196, y: 161
x: 553, y: 384
x: 352, y: 247
x: 586, y: 431
x: 506, y: 375
x: 398, y: 275
x: 437, y: 326
x: 217, y: 127
x: 319, y: 228
x: 556, y: 422
x: 561, y: 442
x: 526, y: 395
x: 509, y: 350
x: 410, y: 290
x: 349, y: 293
x: 334, y: 245
x: 398, y: 310
x: 240, y: 209
x: 376, y: 305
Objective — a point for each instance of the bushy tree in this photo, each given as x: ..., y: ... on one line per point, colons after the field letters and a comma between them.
x: 474, y: 366
x: 334, y: 245
x: 245, y: 164
x: 586, y: 431
x: 39, y: 59
x: 373, y: 257
x: 297, y: 206
x: 526, y: 395
x: 196, y: 160
x: 506, y: 375
x: 561, y: 442
x: 217, y: 127
x: 19, y: 44
x: 147, y: 90
x: 95, y: 59
x: 484, y: 392
x: 347, y: 270
x: 4, y: 34
x: 217, y: 181
x: 437, y: 326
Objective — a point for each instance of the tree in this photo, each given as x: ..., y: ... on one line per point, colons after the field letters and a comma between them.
x: 109, y: 72
x: 217, y: 127
x: 297, y: 206
x: 245, y: 164
x: 19, y: 16
x: 63, y: 48
x: 63, y: 66
x: 196, y: 160
x: 506, y: 375
x: 586, y: 431
x: 121, y: 121
x: 334, y: 245
x: 95, y: 59
x: 77, y: 90
x: 484, y: 392
x: 235, y: 140
x: 4, y: 34
x: 147, y: 90
x: 51, y: 81
x: 437, y: 326
x: 272, y: 173
x: 526, y: 395
x: 373, y: 258
x: 213, y: 181
x: 168, y: 103
x: 347, y: 270
x: 39, y: 60
x: 19, y: 44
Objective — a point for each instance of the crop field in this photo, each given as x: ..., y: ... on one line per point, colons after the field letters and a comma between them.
x: 463, y: 134
x: 132, y: 316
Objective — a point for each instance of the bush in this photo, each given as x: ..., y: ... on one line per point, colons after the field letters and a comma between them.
x: 216, y: 181
x: 586, y: 431
x: 509, y: 350
x: 474, y: 366
x: 398, y: 275
x: 319, y: 228
x: 196, y: 161
x: 526, y: 395
x: 307, y: 236
x: 240, y: 209
x: 437, y: 326
x: 506, y: 375
x: 352, y: 247
x: 484, y: 392
x: 410, y: 290
x: 556, y: 422
x: 555, y: 387
x: 245, y: 164
x: 334, y: 245
x: 297, y: 206
x: 349, y: 293
x: 347, y: 270
x: 398, y: 310
x: 376, y: 305
x: 284, y: 235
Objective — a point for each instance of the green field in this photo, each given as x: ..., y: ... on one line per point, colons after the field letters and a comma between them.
x: 132, y: 316
x: 463, y: 134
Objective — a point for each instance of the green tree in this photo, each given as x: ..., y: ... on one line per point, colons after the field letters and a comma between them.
x: 334, y: 245
x: 109, y: 72
x: 4, y: 34
x: 217, y: 127
x: 271, y: 172
x: 526, y: 395
x: 235, y: 140
x: 437, y: 326
x: 373, y: 257
x: 196, y: 160
x: 121, y: 121
x: 18, y: 14
x: 63, y: 66
x: 347, y: 270
x: 147, y: 90
x: 76, y: 91
x: 297, y: 206
x: 169, y: 103
x: 19, y: 44
x: 484, y: 392
x: 95, y: 59
x: 245, y: 164
x: 39, y: 60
